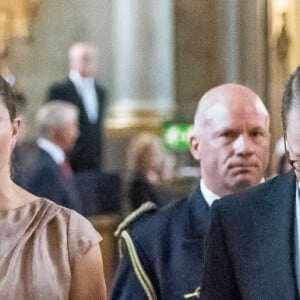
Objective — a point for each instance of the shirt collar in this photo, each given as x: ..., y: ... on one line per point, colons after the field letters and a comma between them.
x: 208, y: 195
x: 52, y: 149
x: 78, y: 80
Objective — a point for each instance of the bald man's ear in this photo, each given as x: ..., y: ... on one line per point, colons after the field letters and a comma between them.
x: 195, y: 147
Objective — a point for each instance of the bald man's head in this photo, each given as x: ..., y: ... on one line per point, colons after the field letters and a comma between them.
x: 231, y: 138
x: 224, y: 97
x: 83, y: 59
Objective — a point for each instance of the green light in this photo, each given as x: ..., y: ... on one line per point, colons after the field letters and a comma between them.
x: 176, y: 136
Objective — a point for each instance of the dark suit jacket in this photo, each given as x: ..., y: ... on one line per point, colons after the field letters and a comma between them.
x: 44, y: 179
x: 100, y: 192
x: 136, y: 189
x: 250, y: 247
x: 87, y: 153
x: 170, y: 246
x: 24, y: 157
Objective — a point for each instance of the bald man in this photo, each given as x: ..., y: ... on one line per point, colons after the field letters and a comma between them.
x: 163, y: 250
x: 81, y: 89
x: 253, y: 242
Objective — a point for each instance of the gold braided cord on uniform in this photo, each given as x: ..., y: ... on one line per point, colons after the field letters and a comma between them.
x: 138, y: 268
x: 147, y: 206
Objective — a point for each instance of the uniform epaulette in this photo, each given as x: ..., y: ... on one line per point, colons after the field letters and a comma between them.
x: 145, y: 207
x: 123, y: 235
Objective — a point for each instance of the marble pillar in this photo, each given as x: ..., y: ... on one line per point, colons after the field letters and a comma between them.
x: 143, y: 62
x: 245, y: 42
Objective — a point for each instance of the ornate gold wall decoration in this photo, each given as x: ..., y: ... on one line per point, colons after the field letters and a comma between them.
x: 16, y: 19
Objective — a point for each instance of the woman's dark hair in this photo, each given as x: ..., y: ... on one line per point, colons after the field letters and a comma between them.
x: 8, y: 98
x: 291, y: 96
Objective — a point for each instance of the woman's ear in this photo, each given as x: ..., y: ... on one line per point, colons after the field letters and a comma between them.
x: 15, y: 131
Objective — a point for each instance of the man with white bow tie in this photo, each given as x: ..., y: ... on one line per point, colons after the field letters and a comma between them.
x: 81, y: 89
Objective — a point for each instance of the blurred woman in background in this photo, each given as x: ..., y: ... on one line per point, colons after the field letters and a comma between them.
x: 146, y: 160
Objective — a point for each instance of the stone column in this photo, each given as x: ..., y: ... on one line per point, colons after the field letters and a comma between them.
x: 143, y: 59
x: 231, y: 41
x: 245, y: 42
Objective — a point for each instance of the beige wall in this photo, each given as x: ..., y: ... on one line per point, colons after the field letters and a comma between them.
x: 199, y: 52
x: 198, y: 47
x: 59, y: 23
x: 200, y: 35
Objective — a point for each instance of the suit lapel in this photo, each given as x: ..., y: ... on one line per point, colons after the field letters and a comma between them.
x: 195, y: 227
x: 78, y: 99
x: 101, y: 100
x: 73, y: 91
x: 267, y: 253
x: 68, y: 189
x: 196, y: 215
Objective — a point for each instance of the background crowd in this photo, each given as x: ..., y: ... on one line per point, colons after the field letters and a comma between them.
x: 161, y: 238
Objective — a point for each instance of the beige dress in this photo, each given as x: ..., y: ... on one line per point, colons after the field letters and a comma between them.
x: 38, y: 243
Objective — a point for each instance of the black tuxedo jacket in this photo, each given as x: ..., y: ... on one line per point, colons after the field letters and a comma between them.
x: 87, y: 153
x: 250, y: 246
x: 44, y: 179
x: 169, y: 244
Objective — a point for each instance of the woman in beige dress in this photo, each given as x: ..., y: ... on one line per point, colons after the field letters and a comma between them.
x: 46, y: 251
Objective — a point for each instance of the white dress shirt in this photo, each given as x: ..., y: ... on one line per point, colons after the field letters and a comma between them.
x: 52, y: 149
x: 208, y: 195
x: 86, y: 89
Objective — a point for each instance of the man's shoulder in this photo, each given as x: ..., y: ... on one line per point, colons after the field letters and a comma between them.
x: 143, y: 211
x: 153, y: 220
x: 254, y: 197
x: 63, y: 83
x: 62, y: 90
x: 100, y: 87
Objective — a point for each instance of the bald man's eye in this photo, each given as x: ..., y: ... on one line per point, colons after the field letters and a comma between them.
x: 229, y: 134
x: 257, y: 133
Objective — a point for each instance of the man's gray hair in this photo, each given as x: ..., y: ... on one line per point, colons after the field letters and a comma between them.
x: 55, y: 114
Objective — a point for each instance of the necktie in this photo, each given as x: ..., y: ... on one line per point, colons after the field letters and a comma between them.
x: 66, y: 169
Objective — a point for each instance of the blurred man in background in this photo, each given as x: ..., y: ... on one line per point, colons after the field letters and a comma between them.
x: 51, y: 175
x: 81, y: 89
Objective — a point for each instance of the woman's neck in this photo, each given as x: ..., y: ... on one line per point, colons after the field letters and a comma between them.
x: 12, y: 196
